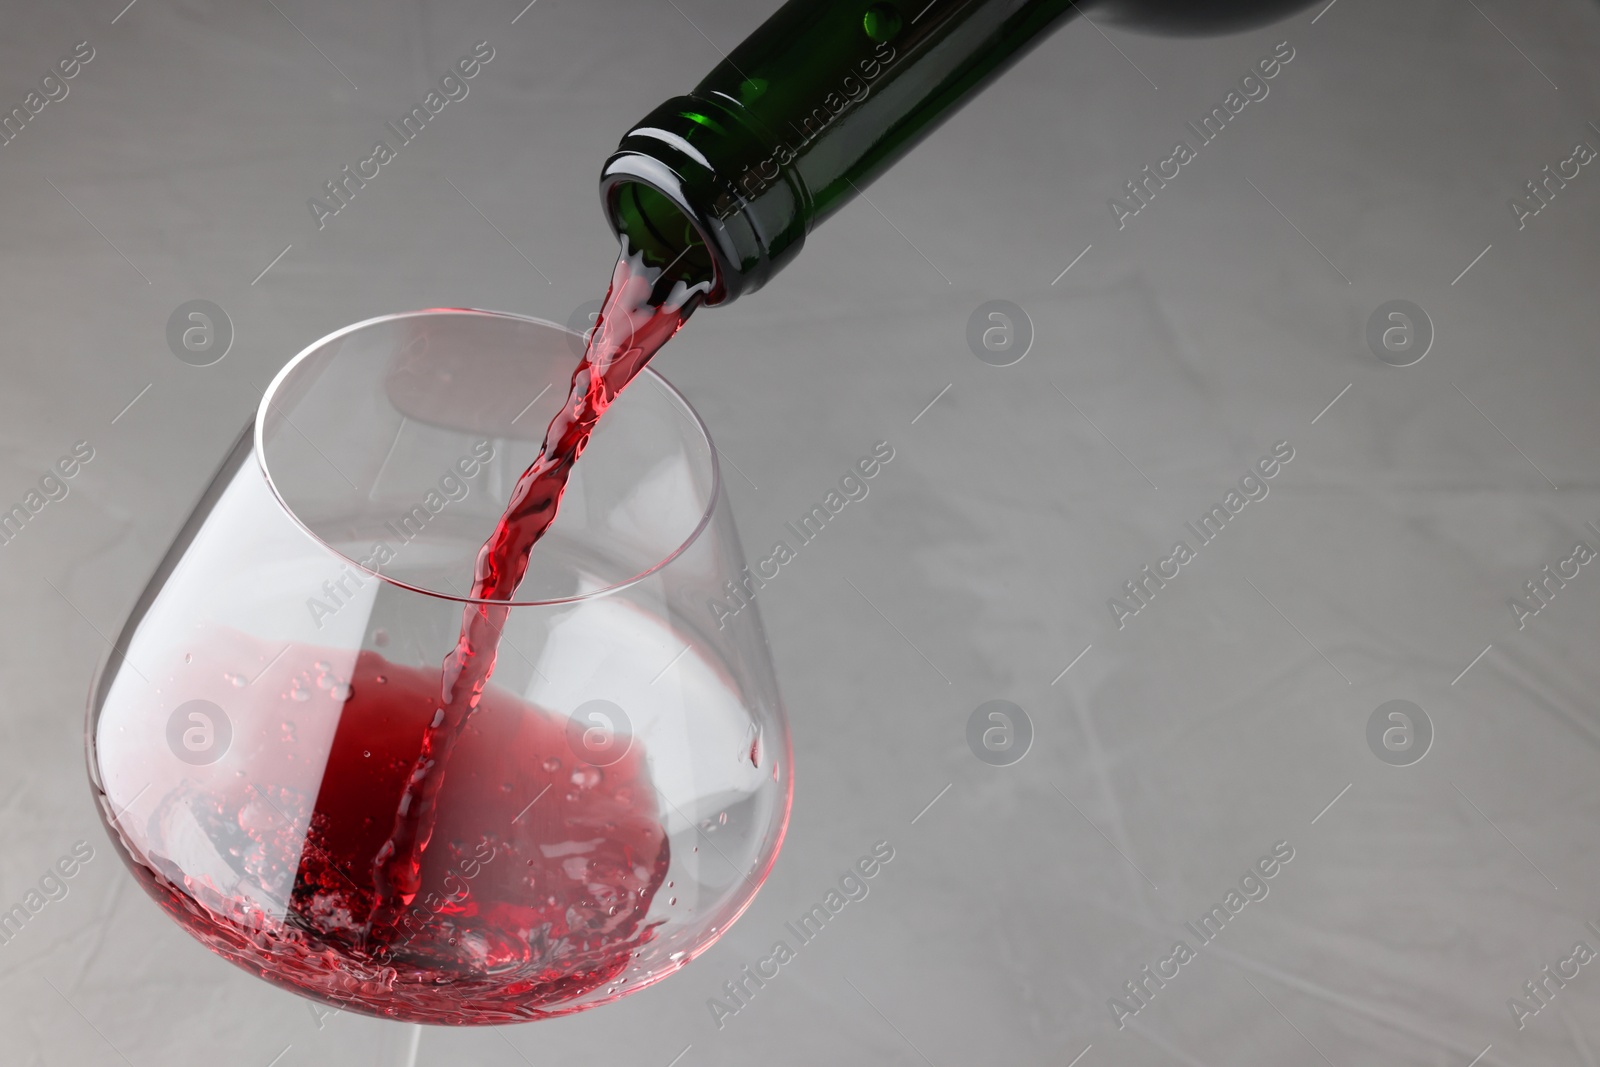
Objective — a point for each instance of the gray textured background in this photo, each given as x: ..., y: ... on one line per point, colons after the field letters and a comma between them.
x: 1225, y: 717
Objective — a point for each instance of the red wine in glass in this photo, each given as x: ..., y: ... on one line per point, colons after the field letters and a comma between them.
x: 521, y: 905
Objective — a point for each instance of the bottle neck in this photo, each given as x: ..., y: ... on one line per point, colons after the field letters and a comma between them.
x: 808, y: 110
x: 720, y: 187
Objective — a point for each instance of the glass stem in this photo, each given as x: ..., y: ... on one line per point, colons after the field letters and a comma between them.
x: 397, y: 1045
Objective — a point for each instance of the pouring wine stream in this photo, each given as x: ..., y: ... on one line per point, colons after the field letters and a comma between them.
x: 643, y: 308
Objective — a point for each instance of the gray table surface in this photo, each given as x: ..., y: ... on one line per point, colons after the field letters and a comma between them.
x: 1178, y: 749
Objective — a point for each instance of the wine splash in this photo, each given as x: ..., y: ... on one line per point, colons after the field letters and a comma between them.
x: 536, y: 892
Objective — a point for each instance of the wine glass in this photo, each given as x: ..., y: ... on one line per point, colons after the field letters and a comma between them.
x: 613, y: 803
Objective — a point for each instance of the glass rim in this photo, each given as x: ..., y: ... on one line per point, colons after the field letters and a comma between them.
x: 673, y: 396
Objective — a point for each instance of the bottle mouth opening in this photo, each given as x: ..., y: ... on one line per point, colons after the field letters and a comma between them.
x: 668, y: 237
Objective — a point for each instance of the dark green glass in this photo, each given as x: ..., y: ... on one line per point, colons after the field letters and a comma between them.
x: 721, y: 186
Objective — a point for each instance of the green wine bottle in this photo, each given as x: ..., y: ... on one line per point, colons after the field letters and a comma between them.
x: 720, y: 187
